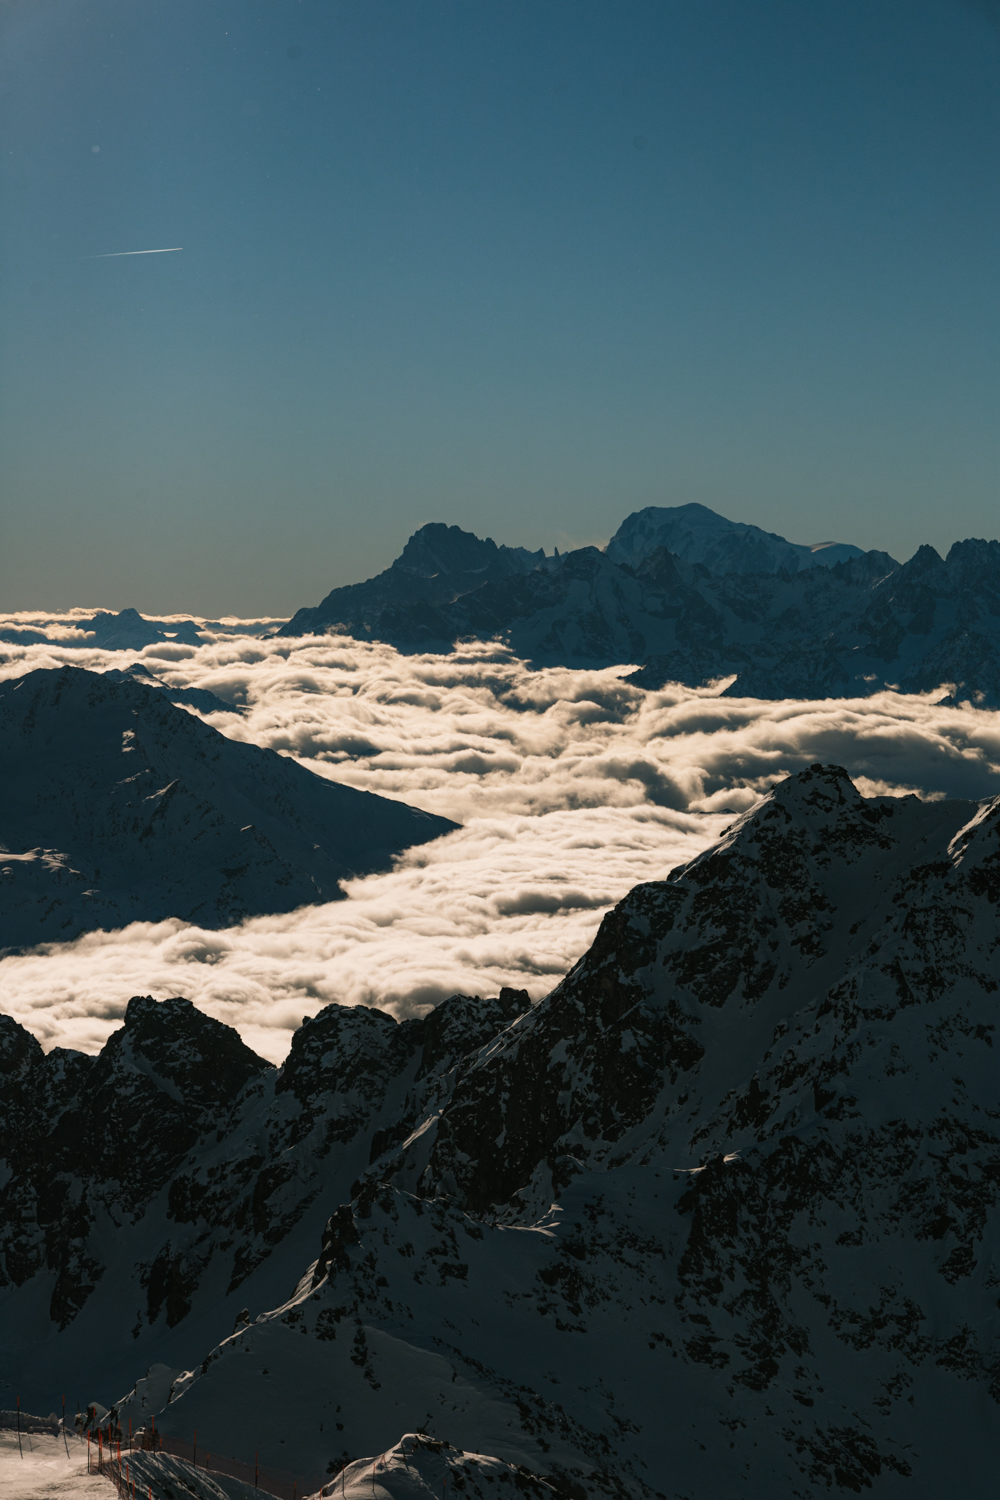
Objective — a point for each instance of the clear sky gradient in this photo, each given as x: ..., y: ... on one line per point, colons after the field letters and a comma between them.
x: 520, y: 265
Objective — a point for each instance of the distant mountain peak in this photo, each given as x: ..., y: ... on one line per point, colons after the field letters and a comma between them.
x: 696, y: 534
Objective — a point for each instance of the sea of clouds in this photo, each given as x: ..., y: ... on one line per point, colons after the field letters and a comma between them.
x: 571, y: 787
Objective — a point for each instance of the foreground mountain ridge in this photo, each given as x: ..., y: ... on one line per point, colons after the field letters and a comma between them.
x: 718, y: 1218
x: 122, y: 807
x: 732, y: 601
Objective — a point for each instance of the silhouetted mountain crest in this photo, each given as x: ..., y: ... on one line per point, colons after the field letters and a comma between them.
x: 734, y: 601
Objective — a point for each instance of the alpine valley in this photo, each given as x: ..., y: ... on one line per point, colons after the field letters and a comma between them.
x: 718, y: 1219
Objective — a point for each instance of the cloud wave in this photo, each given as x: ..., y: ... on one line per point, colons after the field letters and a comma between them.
x: 572, y: 786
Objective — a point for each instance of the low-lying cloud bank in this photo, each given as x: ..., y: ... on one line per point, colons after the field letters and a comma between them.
x: 572, y: 787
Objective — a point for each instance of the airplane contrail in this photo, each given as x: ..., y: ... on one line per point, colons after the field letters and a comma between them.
x: 113, y: 254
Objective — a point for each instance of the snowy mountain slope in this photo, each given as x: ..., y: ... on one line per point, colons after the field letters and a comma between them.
x: 717, y: 1219
x: 121, y: 806
x: 695, y: 534
x: 202, y: 699
x: 419, y: 1467
x: 155, y: 1196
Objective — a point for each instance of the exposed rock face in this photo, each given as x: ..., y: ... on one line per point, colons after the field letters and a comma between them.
x: 151, y: 1195
x: 737, y: 601
x: 717, y: 1219
x: 120, y: 807
x: 85, y: 1137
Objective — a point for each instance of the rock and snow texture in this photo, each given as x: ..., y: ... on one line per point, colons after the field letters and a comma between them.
x: 176, y: 1186
x: 419, y: 1467
x: 735, y: 602
x: 717, y: 1219
x: 695, y: 534
x: 120, y: 806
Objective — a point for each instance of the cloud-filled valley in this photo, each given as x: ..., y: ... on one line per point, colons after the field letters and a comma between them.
x: 572, y: 786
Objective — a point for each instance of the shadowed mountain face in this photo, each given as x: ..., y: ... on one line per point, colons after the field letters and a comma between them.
x: 438, y: 565
x: 742, y: 1168
x: 736, y: 601
x: 119, y: 807
x: 150, y: 1194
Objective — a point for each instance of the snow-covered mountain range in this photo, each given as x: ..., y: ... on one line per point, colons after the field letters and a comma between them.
x: 119, y: 806
x: 695, y: 598
x: 716, y: 1219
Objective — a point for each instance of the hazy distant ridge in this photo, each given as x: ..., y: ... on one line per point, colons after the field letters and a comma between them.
x: 693, y: 597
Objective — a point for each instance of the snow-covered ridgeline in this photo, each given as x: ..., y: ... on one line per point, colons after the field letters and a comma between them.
x: 718, y: 1217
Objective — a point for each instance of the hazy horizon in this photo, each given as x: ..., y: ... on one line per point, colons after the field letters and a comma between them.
x: 521, y: 269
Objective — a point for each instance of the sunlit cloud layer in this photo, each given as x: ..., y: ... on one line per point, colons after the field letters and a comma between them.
x: 571, y: 787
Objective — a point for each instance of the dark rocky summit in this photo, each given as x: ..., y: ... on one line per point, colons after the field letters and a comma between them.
x: 718, y: 1219
x: 120, y: 806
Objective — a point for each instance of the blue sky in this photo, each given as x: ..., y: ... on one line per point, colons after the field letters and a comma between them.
x: 523, y: 267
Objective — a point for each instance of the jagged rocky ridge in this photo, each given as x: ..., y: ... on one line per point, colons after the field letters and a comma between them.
x: 154, y: 1195
x: 120, y: 806
x: 719, y: 1218
x: 850, y: 629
